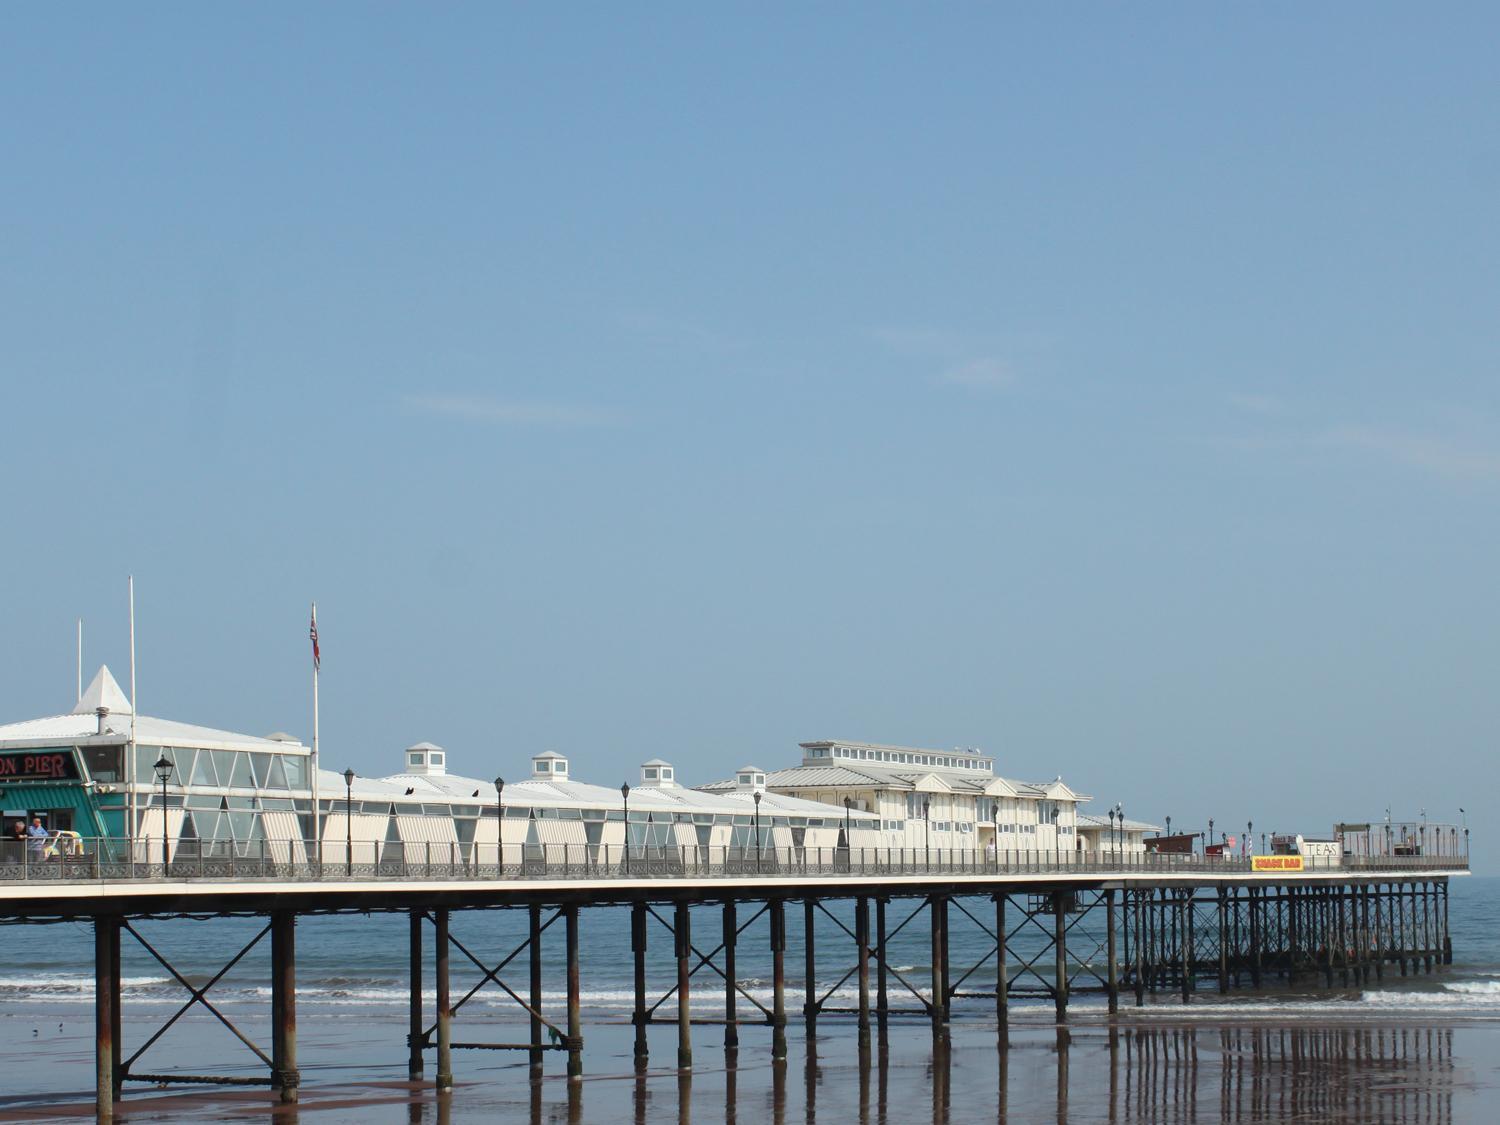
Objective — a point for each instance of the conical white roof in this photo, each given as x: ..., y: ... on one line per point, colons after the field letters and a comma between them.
x: 103, y: 692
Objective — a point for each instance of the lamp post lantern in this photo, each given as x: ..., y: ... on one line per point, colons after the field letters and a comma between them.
x: 499, y: 825
x: 1209, y: 839
x: 348, y: 823
x: 625, y: 796
x: 1249, y: 834
x: 1169, y: 826
x: 756, y: 796
x: 163, y: 769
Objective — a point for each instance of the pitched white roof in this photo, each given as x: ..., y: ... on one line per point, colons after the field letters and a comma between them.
x: 103, y: 692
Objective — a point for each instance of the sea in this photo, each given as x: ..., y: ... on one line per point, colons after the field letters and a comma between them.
x: 1420, y: 1048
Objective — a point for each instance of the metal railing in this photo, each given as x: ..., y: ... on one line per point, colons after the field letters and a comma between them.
x: 107, y: 859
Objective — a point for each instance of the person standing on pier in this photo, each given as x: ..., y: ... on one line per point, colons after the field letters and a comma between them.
x: 37, y: 840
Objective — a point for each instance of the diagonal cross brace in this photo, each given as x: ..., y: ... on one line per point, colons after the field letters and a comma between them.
x: 707, y: 960
x: 491, y: 975
x: 197, y: 997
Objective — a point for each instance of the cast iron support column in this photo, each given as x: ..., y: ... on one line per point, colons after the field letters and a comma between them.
x: 1399, y: 901
x: 935, y: 1007
x: 809, y: 969
x: 534, y: 948
x: 1429, y: 942
x: 1377, y: 935
x: 882, y: 1006
x: 862, y: 952
x: 285, y: 1076
x: 1186, y: 932
x: 1002, y: 984
x: 1447, y: 934
x: 415, y: 1036
x: 117, y: 1040
x: 638, y: 950
x: 1140, y: 947
x: 731, y: 1004
x: 1341, y: 932
x: 778, y: 979
x: 1060, y: 950
x: 1325, y: 905
x: 575, y: 1028
x: 947, y: 966
x: 1254, y: 906
x: 1113, y: 983
x: 105, y: 1000
x: 1223, y: 941
x: 682, y: 931
x: 444, y: 1007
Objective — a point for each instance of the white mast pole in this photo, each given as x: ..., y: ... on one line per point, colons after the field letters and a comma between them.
x: 316, y: 812
x: 80, y: 661
x: 130, y: 829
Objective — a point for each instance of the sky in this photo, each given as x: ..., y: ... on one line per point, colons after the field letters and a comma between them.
x: 1109, y: 387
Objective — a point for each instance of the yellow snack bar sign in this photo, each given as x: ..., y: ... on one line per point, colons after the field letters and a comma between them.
x: 1276, y: 863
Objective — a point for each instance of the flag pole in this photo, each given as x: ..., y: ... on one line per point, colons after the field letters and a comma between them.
x: 134, y: 803
x: 80, y: 661
x: 316, y: 811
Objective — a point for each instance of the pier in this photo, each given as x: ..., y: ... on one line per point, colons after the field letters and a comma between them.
x: 1057, y: 925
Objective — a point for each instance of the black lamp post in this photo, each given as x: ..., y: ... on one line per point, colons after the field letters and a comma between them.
x: 499, y: 825
x: 163, y: 771
x: 1169, y: 826
x: 848, y: 835
x: 625, y: 796
x: 1249, y: 834
x: 1112, y: 837
x: 1209, y: 839
x: 348, y: 823
x: 757, y: 831
x: 927, y: 833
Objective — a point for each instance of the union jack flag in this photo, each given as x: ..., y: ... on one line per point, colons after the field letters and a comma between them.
x: 312, y: 634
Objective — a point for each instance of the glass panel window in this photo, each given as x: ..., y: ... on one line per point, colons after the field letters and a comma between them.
x: 203, y: 770
x: 296, y: 772
x: 239, y: 773
x: 103, y: 762
x: 277, y: 778
x: 262, y: 764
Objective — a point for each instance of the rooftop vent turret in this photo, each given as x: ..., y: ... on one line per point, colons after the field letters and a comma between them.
x: 425, y: 760
x: 103, y: 713
x: 657, y: 773
x: 549, y: 764
x: 750, y: 779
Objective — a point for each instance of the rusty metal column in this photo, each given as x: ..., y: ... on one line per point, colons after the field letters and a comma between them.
x: 862, y: 944
x: 1187, y: 935
x: 116, y: 1038
x: 935, y: 1006
x: 105, y: 999
x: 1002, y: 983
x: 809, y: 968
x: 416, y: 1034
x: 1429, y: 935
x: 1254, y: 906
x: 534, y: 948
x: 947, y: 967
x: 778, y: 979
x: 682, y: 933
x: 731, y: 1001
x: 1113, y: 982
x: 285, y: 1075
x: 1060, y: 952
x: 444, y: 1010
x: 638, y: 950
x: 575, y: 1028
x: 1447, y: 933
x: 1223, y: 941
x: 882, y: 1006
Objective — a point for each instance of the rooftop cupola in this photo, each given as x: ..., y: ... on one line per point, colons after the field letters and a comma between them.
x: 750, y: 779
x: 549, y: 764
x: 425, y: 759
x: 102, y: 692
x: 657, y: 773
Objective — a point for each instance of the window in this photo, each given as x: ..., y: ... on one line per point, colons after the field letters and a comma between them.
x: 666, y: 774
x: 435, y: 758
x: 914, y: 806
x: 744, y: 779
x: 649, y: 773
x: 416, y: 759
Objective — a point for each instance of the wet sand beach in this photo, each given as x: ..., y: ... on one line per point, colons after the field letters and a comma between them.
x: 1146, y: 1069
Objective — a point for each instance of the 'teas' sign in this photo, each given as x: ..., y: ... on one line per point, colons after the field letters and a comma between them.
x: 38, y: 765
x: 1276, y: 863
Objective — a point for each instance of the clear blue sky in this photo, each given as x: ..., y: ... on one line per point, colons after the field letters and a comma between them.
x: 1113, y: 388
